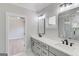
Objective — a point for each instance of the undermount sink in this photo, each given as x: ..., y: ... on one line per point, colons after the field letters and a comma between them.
x: 65, y: 47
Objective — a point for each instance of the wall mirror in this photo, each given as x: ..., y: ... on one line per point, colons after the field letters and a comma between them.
x: 41, y: 25
x: 68, y: 24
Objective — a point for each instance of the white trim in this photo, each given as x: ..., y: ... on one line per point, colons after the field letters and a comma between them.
x: 13, y: 14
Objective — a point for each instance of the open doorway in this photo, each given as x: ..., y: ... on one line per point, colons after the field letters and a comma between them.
x: 16, y: 35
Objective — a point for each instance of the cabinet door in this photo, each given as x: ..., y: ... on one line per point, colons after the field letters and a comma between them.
x: 44, y: 52
x: 51, y: 54
x: 36, y: 41
x: 38, y: 50
x: 44, y: 46
x: 35, y: 47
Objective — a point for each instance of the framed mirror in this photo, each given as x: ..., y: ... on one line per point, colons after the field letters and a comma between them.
x: 41, y: 25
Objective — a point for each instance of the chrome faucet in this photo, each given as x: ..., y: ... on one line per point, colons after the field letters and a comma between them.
x: 66, y: 41
x: 63, y: 42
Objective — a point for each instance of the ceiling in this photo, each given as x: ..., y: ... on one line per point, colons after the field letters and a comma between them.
x: 33, y: 6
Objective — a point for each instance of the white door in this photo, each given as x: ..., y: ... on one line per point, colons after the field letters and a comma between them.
x: 16, y: 34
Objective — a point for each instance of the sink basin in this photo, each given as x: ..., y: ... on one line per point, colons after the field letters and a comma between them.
x: 72, y: 50
x: 65, y: 47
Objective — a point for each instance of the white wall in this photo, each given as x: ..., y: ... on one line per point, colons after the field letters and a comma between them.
x: 30, y: 28
x: 2, y: 32
x: 51, y: 10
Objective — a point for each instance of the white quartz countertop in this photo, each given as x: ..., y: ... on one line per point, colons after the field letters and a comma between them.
x: 56, y: 43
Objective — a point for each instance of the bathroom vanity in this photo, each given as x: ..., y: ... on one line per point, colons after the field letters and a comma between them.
x: 53, y: 47
x: 43, y: 48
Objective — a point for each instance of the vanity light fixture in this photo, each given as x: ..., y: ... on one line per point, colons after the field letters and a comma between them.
x: 65, y: 4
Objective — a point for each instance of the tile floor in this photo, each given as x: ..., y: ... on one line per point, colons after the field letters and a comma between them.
x: 29, y: 53
x: 16, y: 48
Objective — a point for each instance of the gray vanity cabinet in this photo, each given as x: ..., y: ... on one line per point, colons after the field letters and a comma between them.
x: 41, y: 49
x: 35, y: 46
x: 44, y: 49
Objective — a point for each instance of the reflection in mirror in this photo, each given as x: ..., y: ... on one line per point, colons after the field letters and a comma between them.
x: 75, y: 26
x: 68, y: 24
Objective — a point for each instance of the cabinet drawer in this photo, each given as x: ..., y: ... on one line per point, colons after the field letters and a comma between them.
x: 33, y: 46
x: 57, y: 52
x: 36, y: 49
x: 36, y: 41
x: 45, y: 46
x: 44, y: 52
x: 51, y: 54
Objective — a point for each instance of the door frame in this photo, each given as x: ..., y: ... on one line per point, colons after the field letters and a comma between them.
x: 25, y: 29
